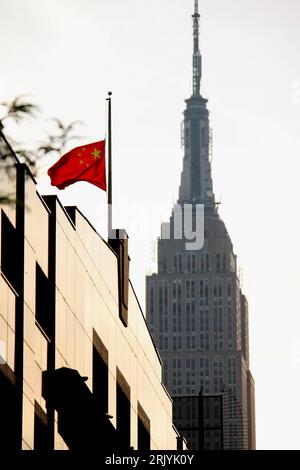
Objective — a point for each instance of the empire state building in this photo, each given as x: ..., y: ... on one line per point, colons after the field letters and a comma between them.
x: 196, y: 310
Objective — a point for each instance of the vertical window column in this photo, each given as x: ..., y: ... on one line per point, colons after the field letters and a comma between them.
x: 9, y: 252
x: 204, y: 375
x: 190, y: 314
x: 191, y: 263
x: 218, y: 327
x: 143, y: 429
x: 163, y: 312
x: 100, y: 373
x: 152, y: 306
x: 232, y: 375
x: 176, y: 315
x: 177, y: 264
x: 123, y: 411
x: 230, y: 323
x: 176, y: 377
x: 218, y: 374
x: 41, y: 430
x: 166, y: 372
x: 204, y: 315
x: 204, y: 263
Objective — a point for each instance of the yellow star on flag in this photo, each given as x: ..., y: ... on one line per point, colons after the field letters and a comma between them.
x: 96, y: 153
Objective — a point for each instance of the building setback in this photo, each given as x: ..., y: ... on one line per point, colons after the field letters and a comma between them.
x: 78, y: 366
x: 195, y: 307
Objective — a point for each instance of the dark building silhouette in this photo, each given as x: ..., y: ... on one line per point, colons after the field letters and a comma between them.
x: 203, y: 421
x: 196, y: 310
x: 78, y: 367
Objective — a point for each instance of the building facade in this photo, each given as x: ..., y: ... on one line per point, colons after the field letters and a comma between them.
x: 78, y: 366
x: 204, y: 421
x: 196, y: 310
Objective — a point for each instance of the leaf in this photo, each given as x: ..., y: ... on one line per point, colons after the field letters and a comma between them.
x: 19, y: 108
x: 7, y: 200
x: 30, y: 157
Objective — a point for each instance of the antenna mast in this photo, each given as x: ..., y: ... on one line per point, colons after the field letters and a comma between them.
x: 197, y: 59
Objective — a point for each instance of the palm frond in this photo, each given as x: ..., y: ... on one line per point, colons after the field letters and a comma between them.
x: 7, y: 200
x: 59, y: 123
x: 46, y: 148
x: 29, y: 157
x: 57, y: 142
x: 19, y: 108
x: 73, y: 124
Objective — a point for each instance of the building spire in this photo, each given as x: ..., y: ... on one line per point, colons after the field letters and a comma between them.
x: 197, y: 59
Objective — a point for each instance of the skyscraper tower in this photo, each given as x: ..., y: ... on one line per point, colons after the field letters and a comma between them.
x: 195, y: 307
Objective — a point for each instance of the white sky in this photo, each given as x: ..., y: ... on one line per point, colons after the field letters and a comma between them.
x: 69, y: 53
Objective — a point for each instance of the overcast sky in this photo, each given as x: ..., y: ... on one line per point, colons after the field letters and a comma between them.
x: 69, y: 53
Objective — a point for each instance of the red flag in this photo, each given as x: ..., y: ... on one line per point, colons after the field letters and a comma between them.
x: 85, y: 163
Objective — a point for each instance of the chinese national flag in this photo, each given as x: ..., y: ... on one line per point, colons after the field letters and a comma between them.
x: 86, y: 163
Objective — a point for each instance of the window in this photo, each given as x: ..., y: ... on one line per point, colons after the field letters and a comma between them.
x: 176, y: 376
x: 100, y: 373
x: 176, y: 315
x: 218, y: 373
x: 177, y: 263
x: 187, y: 138
x: 190, y: 308
x: 187, y: 289
x: 8, y: 414
x: 230, y: 321
x: 123, y: 410
x: 163, y: 317
x: 232, y: 374
x: 41, y: 430
x: 152, y: 304
x: 166, y: 372
x: 204, y: 315
x: 9, y: 252
x: 44, y: 313
x: 229, y: 288
x: 143, y: 429
x: 207, y: 263
x: 224, y: 263
x: 162, y: 265
x: 191, y: 263
x: 218, y: 327
x: 203, y: 137
x: 190, y: 289
x: 204, y: 263
x: 204, y: 374
x: 218, y: 262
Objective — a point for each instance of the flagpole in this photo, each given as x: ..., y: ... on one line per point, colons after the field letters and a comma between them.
x: 109, y: 171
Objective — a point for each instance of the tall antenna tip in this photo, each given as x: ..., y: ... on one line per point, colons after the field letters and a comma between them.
x: 196, y: 10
